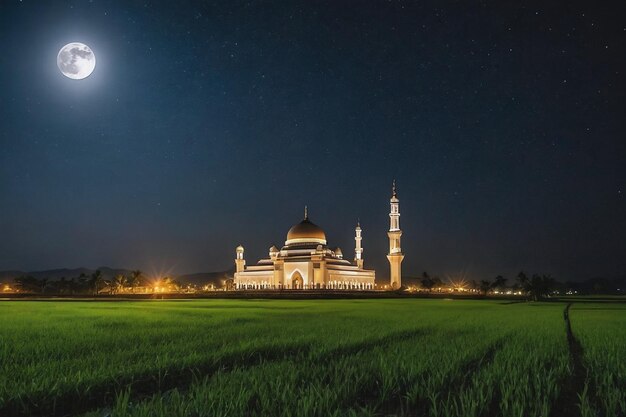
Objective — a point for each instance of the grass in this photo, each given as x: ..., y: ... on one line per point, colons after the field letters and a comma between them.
x: 601, y: 329
x: 305, y: 358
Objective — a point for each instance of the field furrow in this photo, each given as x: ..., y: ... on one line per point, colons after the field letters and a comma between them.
x: 567, y: 404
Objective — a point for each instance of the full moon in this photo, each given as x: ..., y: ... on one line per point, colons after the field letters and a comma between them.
x: 76, y: 60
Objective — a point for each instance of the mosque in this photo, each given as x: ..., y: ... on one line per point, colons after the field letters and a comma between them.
x: 307, y: 262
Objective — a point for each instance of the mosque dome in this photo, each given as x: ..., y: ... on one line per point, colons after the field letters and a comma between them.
x: 305, y: 232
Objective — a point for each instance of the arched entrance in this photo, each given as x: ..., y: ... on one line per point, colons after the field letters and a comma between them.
x: 297, y: 283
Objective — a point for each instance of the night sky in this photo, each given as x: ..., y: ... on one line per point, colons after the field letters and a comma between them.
x: 206, y: 125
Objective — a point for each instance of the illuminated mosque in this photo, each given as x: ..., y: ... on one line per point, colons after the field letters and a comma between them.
x: 307, y: 262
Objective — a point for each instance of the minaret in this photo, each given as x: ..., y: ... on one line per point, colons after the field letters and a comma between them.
x: 358, y: 251
x: 395, y: 255
x: 240, y: 263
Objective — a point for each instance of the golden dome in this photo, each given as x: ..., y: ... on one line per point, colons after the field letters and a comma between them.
x: 306, y: 232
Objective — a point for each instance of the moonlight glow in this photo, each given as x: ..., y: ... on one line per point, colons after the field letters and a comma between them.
x: 76, y: 60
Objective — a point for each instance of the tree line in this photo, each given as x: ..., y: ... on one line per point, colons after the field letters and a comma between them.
x: 94, y: 284
x: 535, y: 286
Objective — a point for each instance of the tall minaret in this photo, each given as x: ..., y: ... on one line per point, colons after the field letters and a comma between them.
x: 240, y: 263
x: 358, y: 251
x: 395, y: 255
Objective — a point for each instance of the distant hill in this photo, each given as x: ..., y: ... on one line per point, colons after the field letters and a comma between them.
x: 199, y: 278
x: 205, y: 278
x: 56, y: 274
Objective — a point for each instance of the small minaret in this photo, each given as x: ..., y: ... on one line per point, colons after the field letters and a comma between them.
x: 395, y: 255
x: 240, y: 263
x: 358, y: 251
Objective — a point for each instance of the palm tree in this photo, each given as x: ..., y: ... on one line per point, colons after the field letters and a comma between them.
x: 522, y: 278
x: 110, y: 284
x: 167, y: 283
x: 499, y: 283
x: 538, y: 286
x: 72, y: 285
x: 62, y: 285
x: 119, y: 282
x: 426, y: 281
x: 27, y: 283
x: 437, y: 282
x: 135, y: 279
x: 485, y: 285
x: 82, y: 281
x: 96, y: 281
x: 176, y: 284
x: 44, y: 285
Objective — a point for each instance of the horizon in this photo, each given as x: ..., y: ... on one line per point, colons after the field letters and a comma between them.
x: 511, y: 279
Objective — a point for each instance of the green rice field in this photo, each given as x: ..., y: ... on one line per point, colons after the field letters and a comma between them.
x: 378, y: 357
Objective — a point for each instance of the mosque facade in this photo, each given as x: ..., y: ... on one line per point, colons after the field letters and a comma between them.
x: 307, y: 262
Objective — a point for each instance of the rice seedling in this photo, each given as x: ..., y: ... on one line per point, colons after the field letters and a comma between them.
x: 601, y: 329
x: 306, y: 358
